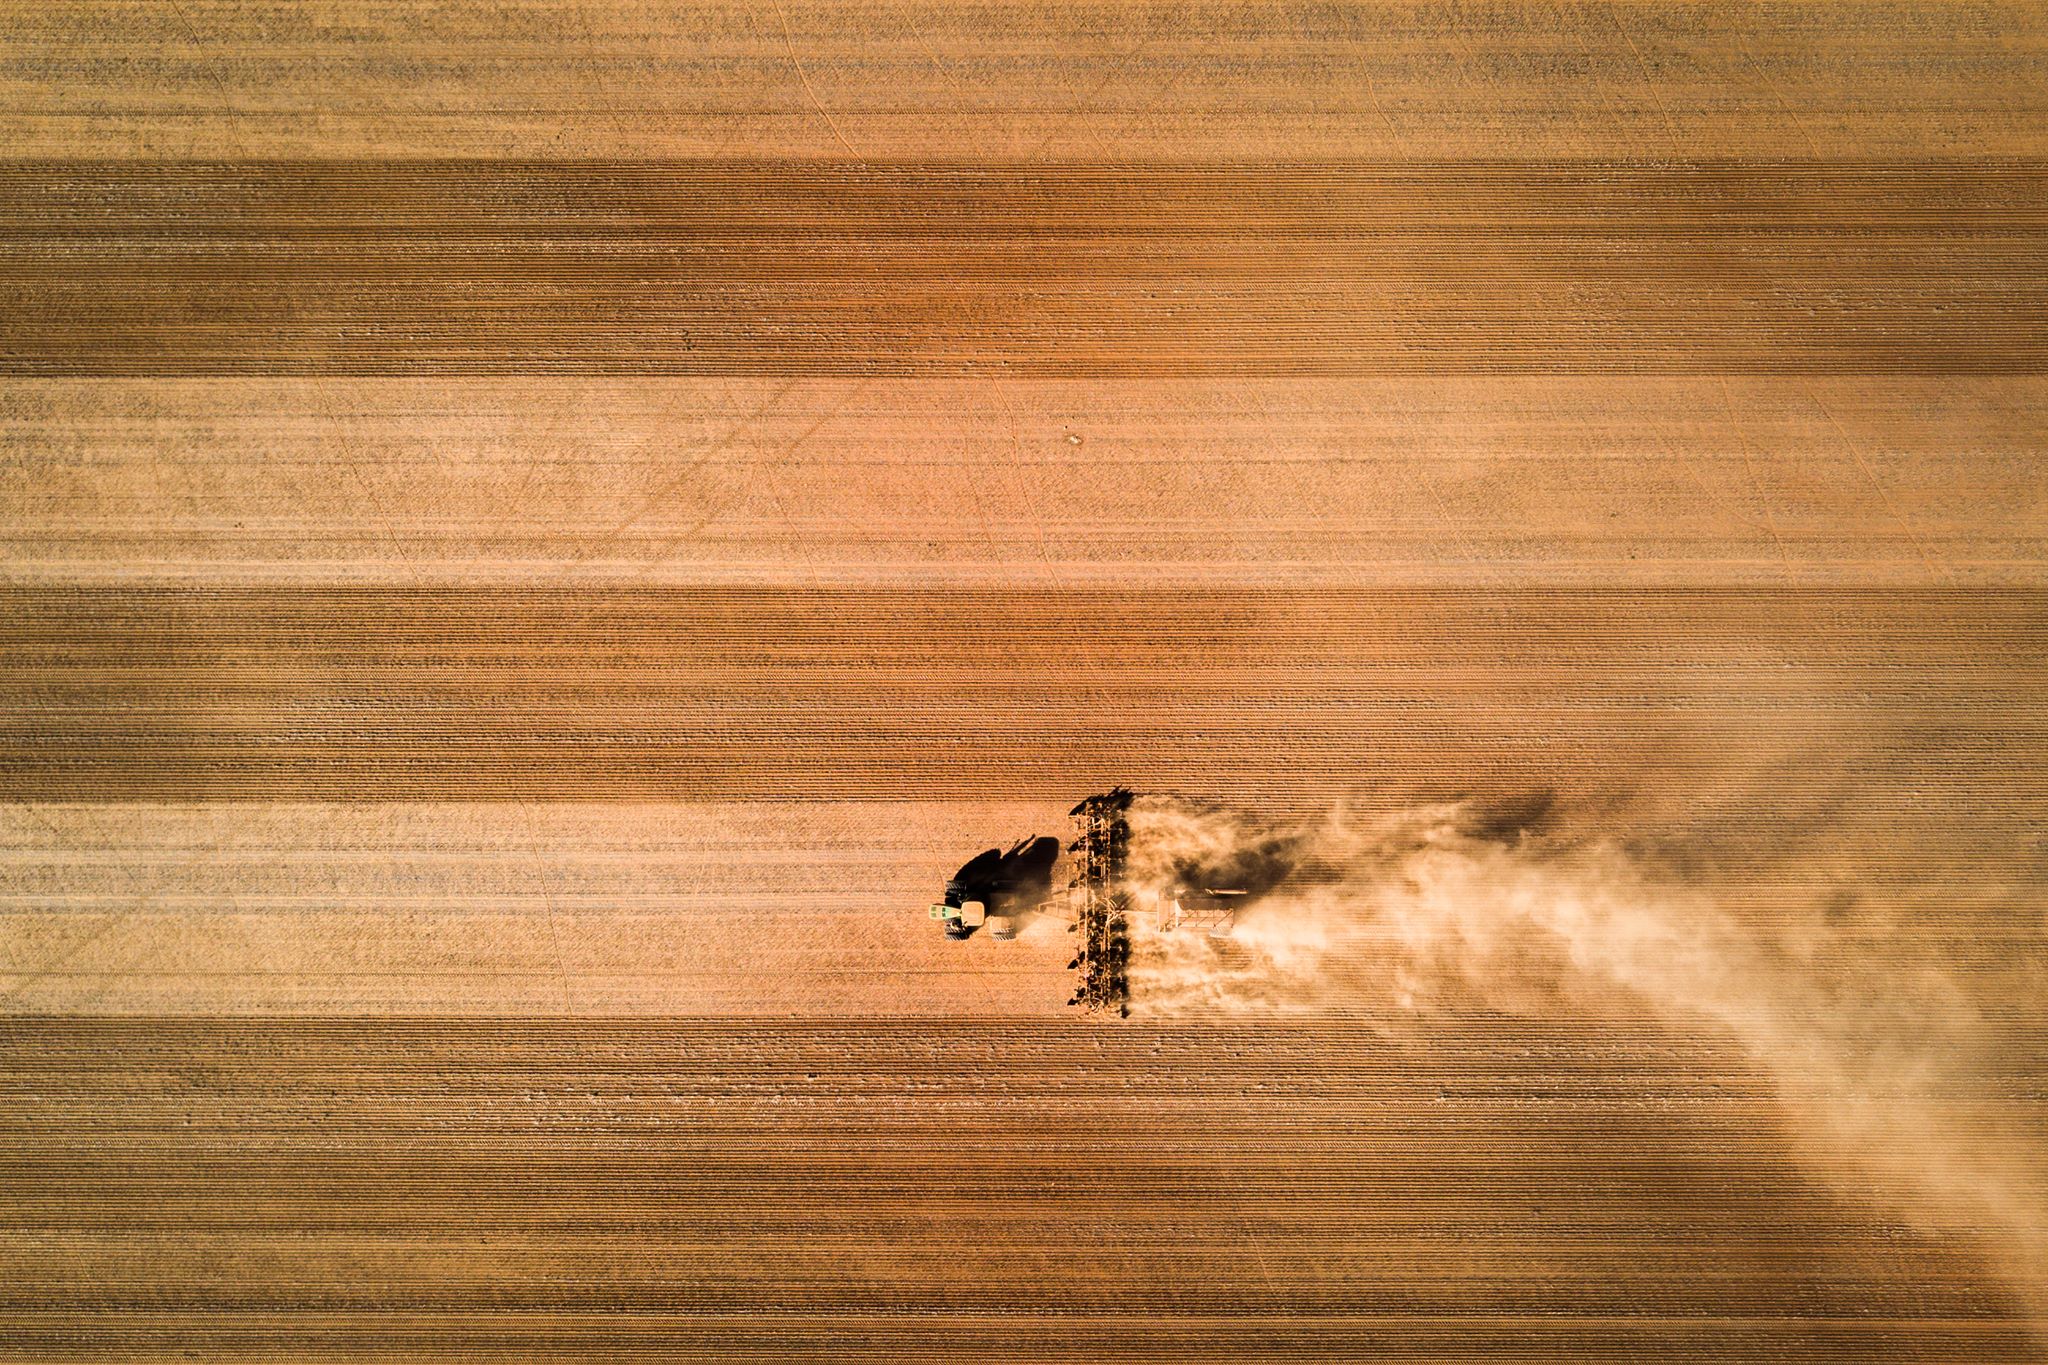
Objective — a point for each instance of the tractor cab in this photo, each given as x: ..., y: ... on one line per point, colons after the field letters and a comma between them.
x: 997, y: 887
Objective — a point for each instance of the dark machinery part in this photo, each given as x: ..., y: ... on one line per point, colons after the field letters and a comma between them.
x: 1004, y: 883
x: 1103, y: 901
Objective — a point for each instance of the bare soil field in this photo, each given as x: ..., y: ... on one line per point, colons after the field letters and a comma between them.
x: 534, y: 536
x: 936, y: 1190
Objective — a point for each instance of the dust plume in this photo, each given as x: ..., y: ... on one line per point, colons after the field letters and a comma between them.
x: 1887, y: 1048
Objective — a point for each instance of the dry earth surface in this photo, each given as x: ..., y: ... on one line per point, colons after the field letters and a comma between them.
x: 533, y: 537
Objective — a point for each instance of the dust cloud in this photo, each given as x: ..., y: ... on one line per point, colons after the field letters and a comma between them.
x: 1896, y: 1053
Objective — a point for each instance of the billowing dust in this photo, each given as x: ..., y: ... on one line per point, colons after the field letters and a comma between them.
x: 1901, y: 1075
